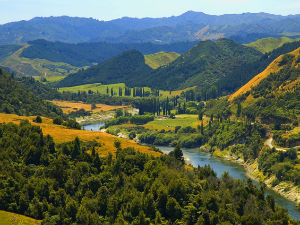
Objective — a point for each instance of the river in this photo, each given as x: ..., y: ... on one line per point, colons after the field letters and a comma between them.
x: 200, y: 158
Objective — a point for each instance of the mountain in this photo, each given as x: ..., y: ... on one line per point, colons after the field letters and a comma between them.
x: 159, y: 59
x: 266, y: 45
x: 88, y: 53
x: 274, y: 93
x: 185, y: 27
x: 204, y: 65
x: 16, y: 98
x: 129, y: 66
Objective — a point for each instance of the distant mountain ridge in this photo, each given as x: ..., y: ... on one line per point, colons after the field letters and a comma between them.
x: 184, y: 27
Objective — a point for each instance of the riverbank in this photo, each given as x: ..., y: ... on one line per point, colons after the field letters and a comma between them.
x: 285, y: 189
x: 95, y: 118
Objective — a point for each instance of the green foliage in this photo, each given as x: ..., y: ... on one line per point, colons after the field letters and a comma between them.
x: 62, y: 184
x: 134, y: 119
x: 7, y: 50
x: 83, y: 54
x: 16, y: 98
x: 281, y: 164
x: 131, y: 67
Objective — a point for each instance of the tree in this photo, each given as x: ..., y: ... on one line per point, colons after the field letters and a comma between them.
x: 177, y: 153
x: 75, y: 152
x: 239, y: 109
x: 173, y: 209
x: 38, y: 119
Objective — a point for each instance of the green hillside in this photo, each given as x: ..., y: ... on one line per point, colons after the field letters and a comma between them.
x: 266, y: 45
x: 160, y: 59
x: 40, y: 68
x: 273, y: 97
x: 16, y: 98
x: 205, y: 65
x: 128, y: 67
x: 7, y: 50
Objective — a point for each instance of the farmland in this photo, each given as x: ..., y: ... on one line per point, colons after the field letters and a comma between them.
x: 183, y: 120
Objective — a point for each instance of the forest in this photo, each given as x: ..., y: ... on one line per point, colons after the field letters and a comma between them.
x: 66, y: 184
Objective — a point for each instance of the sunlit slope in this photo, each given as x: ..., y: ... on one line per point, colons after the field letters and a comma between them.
x: 274, y: 67
x: 8, y: 218
x: 266, y: 45
x: 39, y: 68
x: 61, y: 134
x: 160, y: 59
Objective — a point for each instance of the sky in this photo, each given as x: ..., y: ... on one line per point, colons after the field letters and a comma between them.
x: 15, y: 10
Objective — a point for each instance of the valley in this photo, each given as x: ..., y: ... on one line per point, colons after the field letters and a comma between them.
x: 190, y: 119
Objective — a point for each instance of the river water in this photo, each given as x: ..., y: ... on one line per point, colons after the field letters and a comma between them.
x: 200, y: 158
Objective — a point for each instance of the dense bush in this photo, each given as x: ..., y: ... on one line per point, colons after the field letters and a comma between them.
x: 62, y: 184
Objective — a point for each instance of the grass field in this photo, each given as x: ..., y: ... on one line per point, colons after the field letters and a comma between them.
x: 52, y: 71
x: 266, y: 45
x: 182, y: 120
x: 102, y: 89
x: 8, y: 218
x: 61, y: 134
x: 160, y: 59
x: 69, y: 107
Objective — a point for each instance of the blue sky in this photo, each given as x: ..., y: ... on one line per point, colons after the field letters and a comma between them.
x: 14, y: 10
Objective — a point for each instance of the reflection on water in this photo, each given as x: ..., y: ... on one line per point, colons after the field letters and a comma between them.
x: 200, y: 158
x: 93, y: 127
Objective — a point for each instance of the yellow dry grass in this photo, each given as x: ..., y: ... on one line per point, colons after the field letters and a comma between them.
x: 272, y: 68
x: 62, y: 134
x: 8, y: 218
x: 69, y: 107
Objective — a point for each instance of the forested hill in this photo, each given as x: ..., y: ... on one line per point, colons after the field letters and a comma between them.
x: 128, y: 67
x: 63, y: 184
x: 204, y: 65
x: 17, y: 99
x: 83, y: 54
x: 273, y: 95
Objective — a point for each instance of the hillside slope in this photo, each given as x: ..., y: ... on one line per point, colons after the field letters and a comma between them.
x: 16, y: 98
x: 83, y: 54
x: 205, y: 65
x: 160, y: 59
x: 129, y: 66
x: 276, y: 66
x: 274, y: 94
x: 266, y: 45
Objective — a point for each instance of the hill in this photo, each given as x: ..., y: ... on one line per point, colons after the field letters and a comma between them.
x: 16, y: 98
x: 266, y: 45
x: 88, y: 53
x: 160, y: 59
x: 190, y: 26
x: 273, y: 95
x: 8, y: 218
x: 36, y: 67
x: 129, y: 66
x: 205, y: 65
